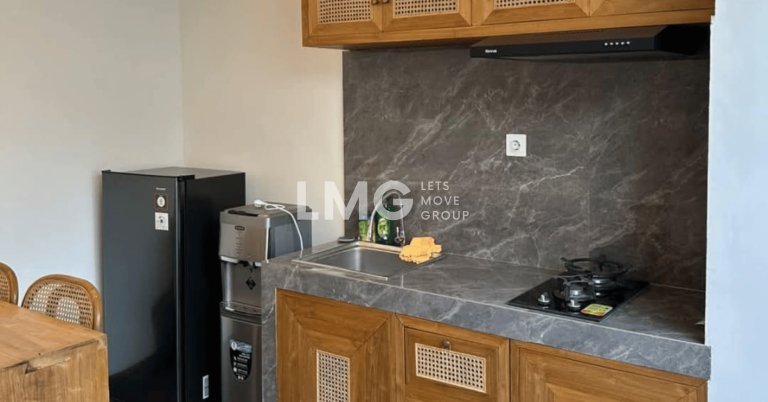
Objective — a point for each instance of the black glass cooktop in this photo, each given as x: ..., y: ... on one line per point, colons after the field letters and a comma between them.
x: 614, y: 299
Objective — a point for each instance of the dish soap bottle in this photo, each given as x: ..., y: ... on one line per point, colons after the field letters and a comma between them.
x: 383, y: 228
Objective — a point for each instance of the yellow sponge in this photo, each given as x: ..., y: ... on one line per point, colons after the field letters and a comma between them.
x: 420, y: 250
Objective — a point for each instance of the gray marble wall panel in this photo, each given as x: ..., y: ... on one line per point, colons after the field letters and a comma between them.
x: 617, y: 155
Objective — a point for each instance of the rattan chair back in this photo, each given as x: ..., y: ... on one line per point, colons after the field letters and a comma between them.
x: 9, y: 285
x: 66, y: 298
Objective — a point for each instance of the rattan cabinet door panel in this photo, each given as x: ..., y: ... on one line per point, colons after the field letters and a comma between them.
x: 343, y: 17
x: 449, y: 364
x: 489, y: 12
x: 618, y: 7
x: 336, y: 352
x: 401, y: 15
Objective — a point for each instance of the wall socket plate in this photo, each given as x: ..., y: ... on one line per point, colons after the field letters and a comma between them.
x: 517, y: 145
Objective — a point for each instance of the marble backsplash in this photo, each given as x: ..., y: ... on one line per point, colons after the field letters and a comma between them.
x: 617, y: 156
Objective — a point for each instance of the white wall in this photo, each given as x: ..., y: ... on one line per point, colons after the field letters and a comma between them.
x: 737, y: 273
x: 256, y: 101
x: 85, y: 85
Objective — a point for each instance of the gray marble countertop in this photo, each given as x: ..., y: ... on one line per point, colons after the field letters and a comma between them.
x: 656, y: 330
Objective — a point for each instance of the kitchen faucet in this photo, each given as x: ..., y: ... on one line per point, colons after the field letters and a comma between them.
x: 400, y: 238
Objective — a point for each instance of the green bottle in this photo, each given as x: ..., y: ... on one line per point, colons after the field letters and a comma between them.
x: 362, y: 224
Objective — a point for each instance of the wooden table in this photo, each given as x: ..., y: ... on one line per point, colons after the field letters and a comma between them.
x: 43, y: 359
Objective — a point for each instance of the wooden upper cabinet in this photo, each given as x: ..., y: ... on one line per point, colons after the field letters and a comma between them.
x: 400, y: 15
x: 342, y: 17
x: 332, y: 351
x: 356, y: 24
x: 617, y: 7
x: 546, y: 375
x: 508, y: 11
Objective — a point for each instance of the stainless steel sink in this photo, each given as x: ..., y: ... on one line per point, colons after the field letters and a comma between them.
x: 372, y: 259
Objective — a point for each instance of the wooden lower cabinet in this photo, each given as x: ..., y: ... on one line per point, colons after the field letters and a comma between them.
x: 542, y: 374
x: 329, y: 351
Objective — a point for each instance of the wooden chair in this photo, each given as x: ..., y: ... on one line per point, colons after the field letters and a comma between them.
x: 9, y: 285
x: 66, y: 298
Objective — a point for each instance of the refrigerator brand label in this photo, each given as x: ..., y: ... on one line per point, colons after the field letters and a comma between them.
x: 161, y: 202
x: 161, y: 221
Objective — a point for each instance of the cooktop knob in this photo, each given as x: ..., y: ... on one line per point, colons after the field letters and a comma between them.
x: 544, y: 299
x: 574, y: 305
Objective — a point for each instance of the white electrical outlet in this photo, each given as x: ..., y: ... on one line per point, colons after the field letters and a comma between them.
x: 517, y: 145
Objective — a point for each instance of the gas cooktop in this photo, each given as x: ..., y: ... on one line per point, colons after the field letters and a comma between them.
x: 591, y: 289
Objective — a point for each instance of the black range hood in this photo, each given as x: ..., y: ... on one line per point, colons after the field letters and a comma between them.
x: 655, y: 42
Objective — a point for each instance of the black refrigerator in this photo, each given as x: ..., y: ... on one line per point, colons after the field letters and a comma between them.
x: 162, y: 280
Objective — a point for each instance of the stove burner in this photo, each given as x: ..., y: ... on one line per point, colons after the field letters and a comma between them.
x: 606, y: 283
x: 580, y: 288
x: 599, y: 267
x: 606, y: 275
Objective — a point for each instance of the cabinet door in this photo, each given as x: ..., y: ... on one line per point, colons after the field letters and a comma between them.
x: 336, y: 352
x: 616, y: 7
x: 545, y: 377
x: 400, y: 15
x: 340, y: 17
x: 507, y: 11
x: 448, y: 364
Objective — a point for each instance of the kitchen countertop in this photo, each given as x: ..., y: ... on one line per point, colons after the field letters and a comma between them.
x: 656, y: 330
